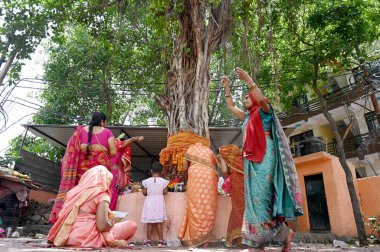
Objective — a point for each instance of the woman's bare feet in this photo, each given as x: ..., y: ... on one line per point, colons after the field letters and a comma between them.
x: 288, y: 241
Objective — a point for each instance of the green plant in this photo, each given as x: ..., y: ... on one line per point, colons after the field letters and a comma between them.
x: 7, y: 161
x: 374, y: 225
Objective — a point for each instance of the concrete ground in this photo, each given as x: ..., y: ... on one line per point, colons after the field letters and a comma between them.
x: 30, y: 244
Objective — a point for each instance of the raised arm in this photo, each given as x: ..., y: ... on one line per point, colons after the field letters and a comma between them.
x: 229, y: 101
x: 253, y: 89
x: 136, y: 139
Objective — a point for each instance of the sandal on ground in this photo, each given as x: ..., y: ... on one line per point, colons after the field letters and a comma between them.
x: 148, y: 243
x: 161, y: 243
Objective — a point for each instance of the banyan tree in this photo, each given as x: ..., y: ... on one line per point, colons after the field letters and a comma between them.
x: 202, y: 26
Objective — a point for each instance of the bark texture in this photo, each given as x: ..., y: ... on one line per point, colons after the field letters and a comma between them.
x: 202, y: 27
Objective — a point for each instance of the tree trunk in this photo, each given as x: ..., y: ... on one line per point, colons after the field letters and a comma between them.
x: 272, y: 49
x: 343, y: 161
x: 246, y: 45
x: 107, y: 94
x: 257, y: 40
x: 187, y: 91
x: 7, y: 66
x: 4, y: 55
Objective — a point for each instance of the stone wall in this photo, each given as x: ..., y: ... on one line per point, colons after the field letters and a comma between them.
x: 36, y: 214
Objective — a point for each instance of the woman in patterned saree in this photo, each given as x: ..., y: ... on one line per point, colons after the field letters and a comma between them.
x: 121, y: 166
x: 88, y: 147
x: 85, y: 219
x: 271, y: 185
x: 202, y: 193
x: 231, y: 164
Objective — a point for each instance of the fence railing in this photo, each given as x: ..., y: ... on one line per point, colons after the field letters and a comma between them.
x: 356, y: 146
x: 359, y: 87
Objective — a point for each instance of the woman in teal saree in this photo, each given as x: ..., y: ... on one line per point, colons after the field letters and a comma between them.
x: 271, y: 185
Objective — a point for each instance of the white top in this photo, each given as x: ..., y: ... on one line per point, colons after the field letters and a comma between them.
x: 154, y: 210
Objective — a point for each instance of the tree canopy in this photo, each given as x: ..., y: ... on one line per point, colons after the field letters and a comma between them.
x: 115, y: 56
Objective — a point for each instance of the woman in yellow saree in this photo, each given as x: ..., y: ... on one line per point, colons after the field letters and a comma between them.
x: 202, y: 192
x: 85, y: 219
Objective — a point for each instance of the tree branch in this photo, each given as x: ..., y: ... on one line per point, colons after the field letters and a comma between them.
x: 7, y: 67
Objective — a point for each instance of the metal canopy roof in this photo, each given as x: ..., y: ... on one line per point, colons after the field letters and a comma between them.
x: 155, y: 137
x: 143, y: 153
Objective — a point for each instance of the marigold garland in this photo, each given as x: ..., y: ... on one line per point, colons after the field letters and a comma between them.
x: 232, y: 154
x: 177, y: 145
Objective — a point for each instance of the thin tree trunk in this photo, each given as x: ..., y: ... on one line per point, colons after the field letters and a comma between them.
x: 4, y: 55
x: 273, y: 51
x: 7, y: 66
x: 107, y: 94
x: 245, y: 44
x: 343, y: 161
x: 358, y: 52
x: 256, y: 40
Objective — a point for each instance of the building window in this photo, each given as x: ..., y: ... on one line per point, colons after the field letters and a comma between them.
x: 296, y: 147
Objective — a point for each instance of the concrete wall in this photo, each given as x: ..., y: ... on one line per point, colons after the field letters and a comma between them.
x: 175, y: 207
x: 324, y: 132
x: 41, y: 196
x: 337, y: 196
x: 370, y: 197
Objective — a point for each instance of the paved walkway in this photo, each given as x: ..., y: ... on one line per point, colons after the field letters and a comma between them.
x: 30, y: 245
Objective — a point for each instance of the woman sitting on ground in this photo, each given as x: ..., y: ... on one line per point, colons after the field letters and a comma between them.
x: 85, y: 219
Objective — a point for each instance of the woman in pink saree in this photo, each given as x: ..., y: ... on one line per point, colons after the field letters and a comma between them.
x: 85, y: 219
x: 88, y: 147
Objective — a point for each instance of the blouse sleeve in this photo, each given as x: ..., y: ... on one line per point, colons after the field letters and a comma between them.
x: 104, y: 197
x: 109, y: 133
x: 264, y: 114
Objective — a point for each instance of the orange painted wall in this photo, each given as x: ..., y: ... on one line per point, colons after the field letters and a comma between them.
x: 370, y: 197
x: 175, y: 207
x: 337, y: 196
x: 41, y: 196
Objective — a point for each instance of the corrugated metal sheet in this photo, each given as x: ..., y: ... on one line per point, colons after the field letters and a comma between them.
x: 41, y: 170
x: 143, y: 153
x: 155, y: 137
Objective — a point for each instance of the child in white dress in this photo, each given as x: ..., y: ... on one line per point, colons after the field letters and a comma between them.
x: 154, y: 211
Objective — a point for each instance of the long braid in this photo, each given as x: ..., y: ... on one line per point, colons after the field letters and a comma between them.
x: 90, y: 128
x: 96, y: 120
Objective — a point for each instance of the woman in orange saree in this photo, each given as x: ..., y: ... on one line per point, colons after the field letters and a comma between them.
x: 202, y: 193
x: 88, y: 147
x: 85, y: 219
x: 231, y: 162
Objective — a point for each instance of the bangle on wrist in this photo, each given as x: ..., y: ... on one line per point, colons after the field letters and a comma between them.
x: 253, y: 86
x: 227, y: 96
